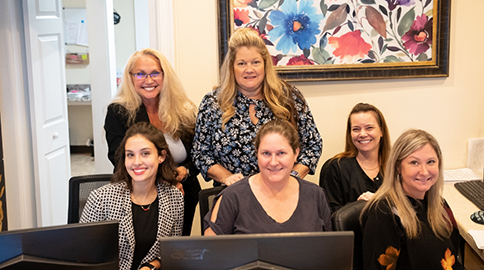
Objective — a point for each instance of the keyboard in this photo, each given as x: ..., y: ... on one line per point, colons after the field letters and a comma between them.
x: 473, y: 190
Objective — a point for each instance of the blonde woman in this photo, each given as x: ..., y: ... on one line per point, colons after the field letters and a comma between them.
x: 151, y: 92
x: 408, y: 224
x: 250, y: 94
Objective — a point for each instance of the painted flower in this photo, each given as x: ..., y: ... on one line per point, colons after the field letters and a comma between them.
x: 299, y: 61
x: 350, y: 46
x: 241, y: 17
x: 389, y: 259
x: 263, y: 36
x: 296, y: 26
x: 392, y: 4
x: 448, y: 261
x: 241, y: 3
x: 418, y: 39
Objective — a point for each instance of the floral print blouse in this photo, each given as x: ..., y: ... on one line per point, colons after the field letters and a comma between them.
x: 233, y: 147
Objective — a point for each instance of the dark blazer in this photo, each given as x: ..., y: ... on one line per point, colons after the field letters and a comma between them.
x: 116, y: 125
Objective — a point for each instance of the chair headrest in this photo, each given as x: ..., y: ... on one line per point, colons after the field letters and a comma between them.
x: 347, y: 218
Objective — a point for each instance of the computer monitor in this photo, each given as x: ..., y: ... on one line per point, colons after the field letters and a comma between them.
x: 312, y: 250
x: 66, y: 247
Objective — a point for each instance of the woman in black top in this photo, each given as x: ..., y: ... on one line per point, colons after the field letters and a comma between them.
x: 408, y: 224
x: 151, y: 92
x: 358, y: 172
x: 141, y: 196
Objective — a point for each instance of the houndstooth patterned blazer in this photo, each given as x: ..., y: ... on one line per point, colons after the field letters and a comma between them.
x: 113, y: 202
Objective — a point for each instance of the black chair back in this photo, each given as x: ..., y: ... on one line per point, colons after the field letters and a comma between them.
x: 347, y: 218
x: 79, y: 189
x: 205, y: 198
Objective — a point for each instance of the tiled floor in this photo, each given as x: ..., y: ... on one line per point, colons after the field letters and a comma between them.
x: 82, y: 164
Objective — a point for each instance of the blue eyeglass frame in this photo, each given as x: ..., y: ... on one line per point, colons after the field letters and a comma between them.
x: 146, y: 74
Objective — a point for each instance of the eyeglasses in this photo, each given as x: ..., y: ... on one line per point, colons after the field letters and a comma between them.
x: 143, y: 76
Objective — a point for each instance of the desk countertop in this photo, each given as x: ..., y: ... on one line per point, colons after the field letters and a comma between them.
x: 462, y: 209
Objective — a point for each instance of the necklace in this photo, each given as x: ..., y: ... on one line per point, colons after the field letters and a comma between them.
x: 145, y: 207
x: 366, y: 169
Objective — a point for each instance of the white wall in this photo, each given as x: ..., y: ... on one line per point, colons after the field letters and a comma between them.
x: 450, y: 108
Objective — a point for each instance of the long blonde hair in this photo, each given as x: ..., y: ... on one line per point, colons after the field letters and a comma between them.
x: 277, y: 94
x: 392, y: 191
x: 175, y: 109
x: 383, y: 148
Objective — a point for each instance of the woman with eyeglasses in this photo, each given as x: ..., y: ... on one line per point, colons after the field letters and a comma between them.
x: 151, y: 92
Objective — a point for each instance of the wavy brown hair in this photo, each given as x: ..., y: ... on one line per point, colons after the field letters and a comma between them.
x: 277, y: 94
x: 166, y: 170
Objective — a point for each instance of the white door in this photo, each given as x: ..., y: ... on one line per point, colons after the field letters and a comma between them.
x: 48, y: 108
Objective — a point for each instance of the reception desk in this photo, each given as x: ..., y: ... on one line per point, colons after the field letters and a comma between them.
x: 462, y: 209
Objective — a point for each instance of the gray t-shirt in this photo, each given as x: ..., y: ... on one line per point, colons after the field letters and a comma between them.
x: 241, y: 213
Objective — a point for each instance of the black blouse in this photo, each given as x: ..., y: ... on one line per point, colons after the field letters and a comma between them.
x: 386, y: 245
x: 344, y: 181
x: 145, y: 225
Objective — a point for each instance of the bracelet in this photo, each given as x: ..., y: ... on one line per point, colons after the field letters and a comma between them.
x: 149, y: 265
x: 186, y: 176
x: 295, y: 174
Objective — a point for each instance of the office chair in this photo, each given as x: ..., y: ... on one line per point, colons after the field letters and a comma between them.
x: 205, y: 199
x: 347, y: 218
x: 79, y: 189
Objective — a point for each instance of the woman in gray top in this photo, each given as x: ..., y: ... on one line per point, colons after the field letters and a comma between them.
x: 271, y: 200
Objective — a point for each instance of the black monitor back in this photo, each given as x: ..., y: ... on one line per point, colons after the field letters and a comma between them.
x: 67, y: 247
x: 313, y: 250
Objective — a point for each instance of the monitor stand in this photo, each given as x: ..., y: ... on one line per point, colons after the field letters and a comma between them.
x: 260, y: 265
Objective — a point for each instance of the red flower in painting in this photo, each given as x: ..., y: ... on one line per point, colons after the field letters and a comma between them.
x: 241, y: 17
x: 299, y: 61
x: 418, y: 39
x: 241, y: 3
x: 263, y: 36
x: 350, y: 46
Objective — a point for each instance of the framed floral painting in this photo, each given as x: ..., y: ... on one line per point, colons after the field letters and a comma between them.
x: 346, y: 39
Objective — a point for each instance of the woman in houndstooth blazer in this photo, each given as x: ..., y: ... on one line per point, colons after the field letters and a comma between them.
x: 141, y: 196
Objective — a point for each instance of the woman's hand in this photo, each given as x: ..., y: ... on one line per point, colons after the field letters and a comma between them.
x: 218, y: 173
x: 182, y: 173
x: 179, y: 186
x: 366, y: 196
x: 233, y: 178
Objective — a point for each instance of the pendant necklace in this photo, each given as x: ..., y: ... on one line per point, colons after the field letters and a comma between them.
x: 145, y: 207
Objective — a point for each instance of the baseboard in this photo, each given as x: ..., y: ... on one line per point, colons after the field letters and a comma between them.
x: 79, y: 149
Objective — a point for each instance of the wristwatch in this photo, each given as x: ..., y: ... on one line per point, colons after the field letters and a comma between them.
x: 149, y: 265
x: 295, y: 174
x: 186, y: 176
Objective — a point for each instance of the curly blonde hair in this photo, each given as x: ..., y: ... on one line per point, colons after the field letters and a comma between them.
x: 277, y: 94
x: 175, y: 109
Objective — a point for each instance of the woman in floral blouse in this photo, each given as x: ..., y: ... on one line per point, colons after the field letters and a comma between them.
x: 408, y: 224
x: 250, y: 94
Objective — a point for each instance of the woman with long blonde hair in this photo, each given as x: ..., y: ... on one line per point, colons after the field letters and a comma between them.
x: 151, y: 92
x: 407, y: 224
x: 249, y: 95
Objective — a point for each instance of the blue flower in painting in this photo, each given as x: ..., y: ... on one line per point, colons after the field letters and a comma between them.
x: 296, y: 27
